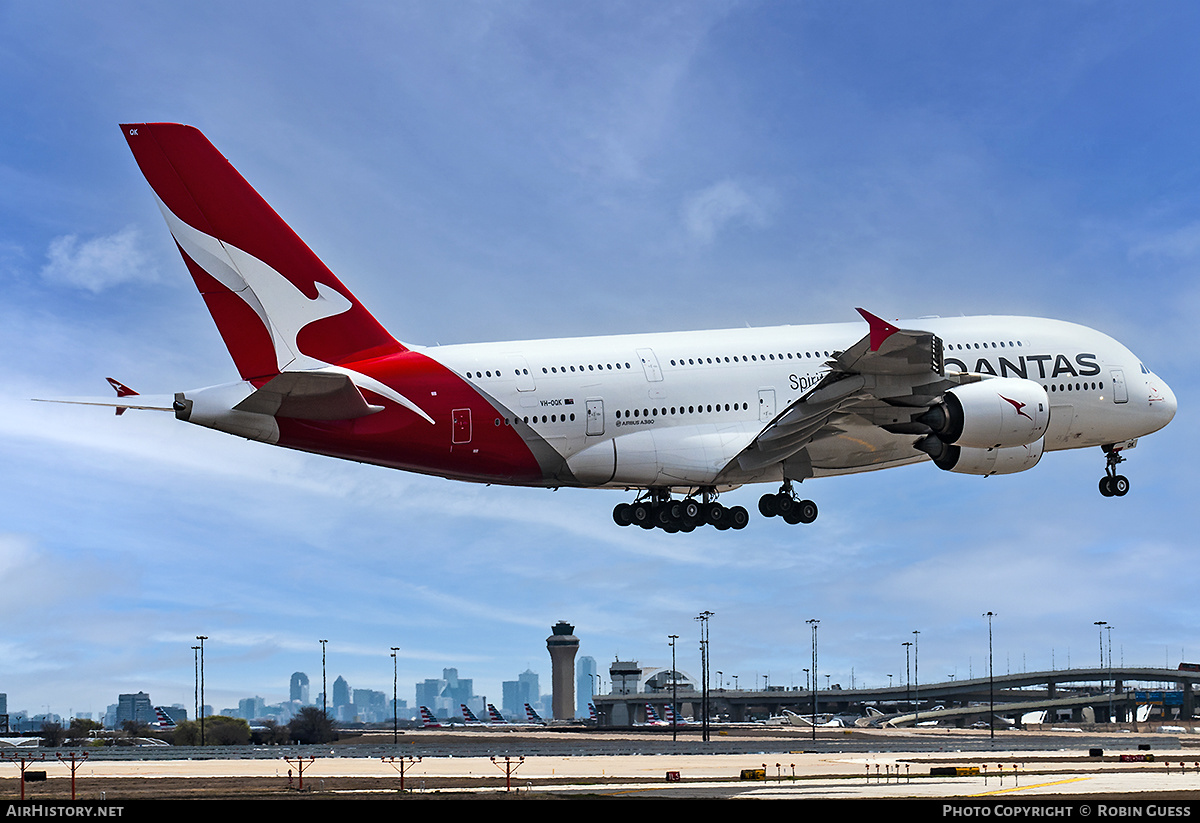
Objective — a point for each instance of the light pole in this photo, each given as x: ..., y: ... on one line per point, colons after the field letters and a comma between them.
x: 916, y: 677
x: 703, y: 618
x: 1110, y: 674
x: 201, y: 638
x: 991, y: 683
x: 196, y: 664
x: 907, y: 672
x: 395, y: 673
x: 813, y: 623
x: 324, y: 687
x: 674, y: 690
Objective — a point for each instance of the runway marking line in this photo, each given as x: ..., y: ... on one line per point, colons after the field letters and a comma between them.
x: 1032, y: 786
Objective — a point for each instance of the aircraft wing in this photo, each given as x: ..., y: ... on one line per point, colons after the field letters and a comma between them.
x: 872, y: 389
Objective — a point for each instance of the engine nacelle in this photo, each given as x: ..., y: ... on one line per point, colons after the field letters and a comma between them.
x: 986, y: 462
x: 1001, y: 412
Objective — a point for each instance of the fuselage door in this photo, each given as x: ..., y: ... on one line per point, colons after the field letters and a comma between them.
x: 1120, y: 393
x: 766, y: 405
x: 460, y: 430
x: 521, y: 372
x: 650, y: 365
x: 595, y: 417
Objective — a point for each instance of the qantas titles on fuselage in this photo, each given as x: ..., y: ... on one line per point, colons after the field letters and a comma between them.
x: 679, y: 418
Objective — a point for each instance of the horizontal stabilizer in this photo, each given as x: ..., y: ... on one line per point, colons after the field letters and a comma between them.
x: 309, y: 396
x: 150, y: 402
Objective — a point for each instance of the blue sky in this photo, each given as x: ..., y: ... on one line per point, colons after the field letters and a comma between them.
x: 488, y: 171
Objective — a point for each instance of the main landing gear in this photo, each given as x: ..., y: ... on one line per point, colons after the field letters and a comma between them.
x: 1113, y: 484
x: 787, y: 505
x: 658, y: 510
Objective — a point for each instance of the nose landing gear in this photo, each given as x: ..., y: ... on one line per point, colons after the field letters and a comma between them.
x: 1113, y: 484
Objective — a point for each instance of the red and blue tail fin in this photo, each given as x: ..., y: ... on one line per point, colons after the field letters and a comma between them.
x: 428, y: 720
x: 275, y: 303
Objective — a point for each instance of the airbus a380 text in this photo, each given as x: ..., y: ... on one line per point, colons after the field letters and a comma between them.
x: 677, y: 417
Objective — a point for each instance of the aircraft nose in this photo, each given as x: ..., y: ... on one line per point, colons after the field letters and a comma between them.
x: 1163, y: 399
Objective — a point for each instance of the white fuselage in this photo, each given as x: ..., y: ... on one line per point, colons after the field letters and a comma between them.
x: 674, y: 409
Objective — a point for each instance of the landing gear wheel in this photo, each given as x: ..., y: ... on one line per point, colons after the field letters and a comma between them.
x: 663, y: 518
x: 714, y: 514
x: 807, y: 511
x: 1113, y: 484
x: 738, y: 517
x: 642, y: 515
x: 690, y: 514
x: 766, y: 505
x: 623, y: 514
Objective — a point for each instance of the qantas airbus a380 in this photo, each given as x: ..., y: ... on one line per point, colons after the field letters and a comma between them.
x: 676, y: 417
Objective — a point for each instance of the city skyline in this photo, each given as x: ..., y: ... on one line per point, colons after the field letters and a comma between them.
x: 790, y: 678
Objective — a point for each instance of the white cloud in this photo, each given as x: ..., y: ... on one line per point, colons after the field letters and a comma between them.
x: 729, y: 202
x: 99, y: 263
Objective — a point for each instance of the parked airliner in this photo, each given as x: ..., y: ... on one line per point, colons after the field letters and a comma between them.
x: 678, y: 418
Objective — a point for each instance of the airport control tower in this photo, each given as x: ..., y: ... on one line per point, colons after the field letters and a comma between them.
x: 562, y: 645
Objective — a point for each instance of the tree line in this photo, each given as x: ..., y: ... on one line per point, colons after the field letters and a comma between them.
x: 310, y: 725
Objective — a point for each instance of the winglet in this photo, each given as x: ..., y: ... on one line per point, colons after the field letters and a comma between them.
x: 122, y: 391
x: 881, y: 329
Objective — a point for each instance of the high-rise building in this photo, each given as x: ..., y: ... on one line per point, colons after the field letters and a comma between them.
x: 136, y: 708
x: 429, y: 692
x: 341, y: 693
x: 529, y: 681
x: 299, y: 688
x: 516, y: 693
x: 585, y: 684
x: 252, y: 708
x: 443, y: 696
x: 563, y: 646
x: 458, y: 689
x: 370, y: 705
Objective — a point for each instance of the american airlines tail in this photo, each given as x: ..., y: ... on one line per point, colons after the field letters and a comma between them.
x: 263, y: 286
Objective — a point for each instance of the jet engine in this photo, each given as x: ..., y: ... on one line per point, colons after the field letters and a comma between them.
x: 995, y: 413
x: 986, y: 462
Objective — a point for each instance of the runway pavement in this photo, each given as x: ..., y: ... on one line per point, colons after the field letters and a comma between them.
x: 1021, y: 767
